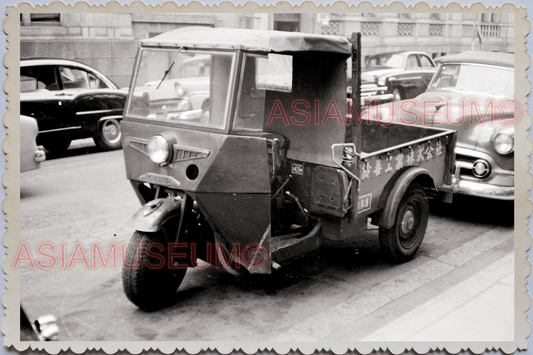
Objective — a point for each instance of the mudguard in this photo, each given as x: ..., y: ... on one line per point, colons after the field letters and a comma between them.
x: 400, y: 186
x: 152, y: 216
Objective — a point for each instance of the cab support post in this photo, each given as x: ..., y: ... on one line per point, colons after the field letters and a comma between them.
x: 354, y: 130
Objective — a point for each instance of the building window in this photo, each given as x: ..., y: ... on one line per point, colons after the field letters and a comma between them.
x: 333, y: 28
x: 436, y: 29
x: 404, y: 15
x: 42, y: 19
x: 490, y: 31
x: 489, y: 26
x: 406, y: 29
x: 287, y: 22
x: 371, y: 28
x: 436, y: 16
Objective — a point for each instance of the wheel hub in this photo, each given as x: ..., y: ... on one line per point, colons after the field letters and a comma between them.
x: 408, y: 222
x: 111, y: 133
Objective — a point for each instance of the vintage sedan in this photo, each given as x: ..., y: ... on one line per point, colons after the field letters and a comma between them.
x: 70, y: 100
x: 183, y: 92
x: 395, y: 76
x: 472, y: 93
x: 30, y: 155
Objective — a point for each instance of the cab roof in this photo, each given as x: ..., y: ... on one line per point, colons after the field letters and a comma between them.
x: 480, y: 57
x: 252, y: 40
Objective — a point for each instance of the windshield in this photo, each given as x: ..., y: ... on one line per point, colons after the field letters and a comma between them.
x: 474, y: 77
x: 181, y: 86
x: 384, y: 61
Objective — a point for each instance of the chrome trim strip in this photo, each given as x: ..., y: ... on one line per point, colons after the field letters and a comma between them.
x: 60, y: 129
x: 92, y: 112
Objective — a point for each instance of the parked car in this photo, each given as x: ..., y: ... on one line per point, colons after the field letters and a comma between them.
x: 472, y: 93
x: 70, y: 100
x: 395, y: 76
x: 43, y: 328
x: 184, y: 90
x: 30, y: 155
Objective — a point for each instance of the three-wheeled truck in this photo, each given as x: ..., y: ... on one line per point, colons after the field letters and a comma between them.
x: 273, y: 164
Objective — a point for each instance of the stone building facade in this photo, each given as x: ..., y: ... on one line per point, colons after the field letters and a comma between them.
x: 108, y: 41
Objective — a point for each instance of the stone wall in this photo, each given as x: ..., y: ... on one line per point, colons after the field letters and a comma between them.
x: 104, y: 41
x: 108, y: 41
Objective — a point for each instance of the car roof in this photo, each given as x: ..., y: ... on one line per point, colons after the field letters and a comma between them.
x: 397, y: 52
x: 61, y: 61
x: 253, y: 40
x: 52, y: 60
x: 480, y: 57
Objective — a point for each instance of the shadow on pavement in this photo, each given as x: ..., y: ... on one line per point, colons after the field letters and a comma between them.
x: 72, y: 152
x: 475, y: 209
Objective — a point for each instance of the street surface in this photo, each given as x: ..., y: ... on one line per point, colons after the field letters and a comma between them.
x: 341, y: 292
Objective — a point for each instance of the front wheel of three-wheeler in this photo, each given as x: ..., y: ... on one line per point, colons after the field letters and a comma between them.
x: 150, y: 280
x: 401, y: 242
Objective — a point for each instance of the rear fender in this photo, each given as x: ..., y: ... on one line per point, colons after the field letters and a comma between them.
x: 401, y: 185
x: 153, y: 215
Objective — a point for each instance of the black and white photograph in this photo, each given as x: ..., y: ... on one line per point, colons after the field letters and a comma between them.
x: 275, y: 178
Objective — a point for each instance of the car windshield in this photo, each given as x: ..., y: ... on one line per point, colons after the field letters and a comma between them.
x: 385, y: 61
x: 474, y: 77
x: 181, y: 86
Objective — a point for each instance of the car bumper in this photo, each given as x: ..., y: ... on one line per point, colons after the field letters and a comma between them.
x: 481, y: 189
x: 498, y: 185
x: 376, y: 99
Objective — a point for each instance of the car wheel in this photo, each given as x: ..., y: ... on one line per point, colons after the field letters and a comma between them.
x: 109, y: 135
x: 401, y: 242
x: 397, y: 95
x: 149, y: 279
x: 56, y: 145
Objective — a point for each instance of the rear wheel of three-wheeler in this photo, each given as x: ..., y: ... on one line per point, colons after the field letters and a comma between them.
x: 401, y: 242
x: 149, y: 279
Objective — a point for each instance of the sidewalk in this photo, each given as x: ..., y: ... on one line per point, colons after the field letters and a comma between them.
x: 468, y: 311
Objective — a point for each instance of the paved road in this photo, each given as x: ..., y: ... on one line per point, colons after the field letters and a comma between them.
x: 341, y: 292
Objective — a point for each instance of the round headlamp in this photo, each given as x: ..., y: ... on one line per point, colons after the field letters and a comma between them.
x: 180, y: 91
x: 184, y: 105
x: 504, y: 143
x: 159, y: 149
x: 381, y: 81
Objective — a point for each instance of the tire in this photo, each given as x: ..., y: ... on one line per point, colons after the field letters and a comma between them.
x: 109, y: 135
x: 397, y: 93
x: 57, y: 145
x: 401, y: 242
x: 146, y: 284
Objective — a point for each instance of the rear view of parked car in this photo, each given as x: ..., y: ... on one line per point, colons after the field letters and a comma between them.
x: 70, y: 100
x: 30, y: 155
x: 396, y: 76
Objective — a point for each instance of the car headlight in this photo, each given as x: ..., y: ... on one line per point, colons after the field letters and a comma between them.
x: 381, y: 81
x: 184, y: 105
x: 504, y: 143
x: 180, y: 91
x: 160, y: 148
